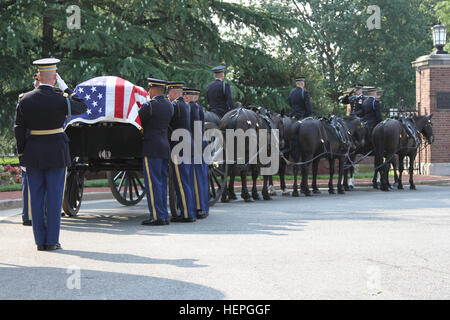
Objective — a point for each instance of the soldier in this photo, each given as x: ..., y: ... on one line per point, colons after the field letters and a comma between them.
x: 155, y: 117
x: 182, y: 173
x: 45, y: 153
x: 218, y: 93
x: 372, y: 109
x: 299, y: 100
x: 355, y: 101
x: 200, y: 175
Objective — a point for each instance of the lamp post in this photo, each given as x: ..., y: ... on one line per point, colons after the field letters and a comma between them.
x: 439, y: 37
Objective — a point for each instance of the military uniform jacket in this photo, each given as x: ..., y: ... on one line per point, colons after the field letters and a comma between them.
x: 218, y: 94
x: 155, y: 117
x: 44, y: 109
x: 181, y: 117
x: 372, y: 110
x: 299, y: 100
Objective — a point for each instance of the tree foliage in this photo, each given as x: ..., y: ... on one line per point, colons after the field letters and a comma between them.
x: 265, y: 44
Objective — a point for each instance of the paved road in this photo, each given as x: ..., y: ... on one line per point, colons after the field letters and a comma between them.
x: 364, y: 245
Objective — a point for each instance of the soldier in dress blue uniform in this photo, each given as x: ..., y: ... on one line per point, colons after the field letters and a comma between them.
x: 45, y: 152
x: 372, y: 109
x: 155, y: 117
x: 218, y: 93
x: 200, y: 175
x: 299, y: 100
x: 355, y: 101
x: 182, y: 172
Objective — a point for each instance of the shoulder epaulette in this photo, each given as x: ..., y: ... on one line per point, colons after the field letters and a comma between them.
x: 21, y: 95
x: 65, y: 95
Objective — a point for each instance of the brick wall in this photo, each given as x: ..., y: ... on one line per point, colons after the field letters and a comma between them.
x: 430, y: 81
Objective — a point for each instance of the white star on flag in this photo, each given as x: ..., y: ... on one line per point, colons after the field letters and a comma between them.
x: 100, y: 96
x: 95, y: 103
x: 88, y: 111
x: 87, y: 97
x: 93, y: 89
x: 80, y: 90
x: 100, y: 110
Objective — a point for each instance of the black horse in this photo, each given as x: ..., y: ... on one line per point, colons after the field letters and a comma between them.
x: 338, y: 143
x: 361, y: 145
x: 239, y: 118
x: 409, y: 146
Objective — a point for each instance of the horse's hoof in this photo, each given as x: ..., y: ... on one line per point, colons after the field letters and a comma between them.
x: 375, y: 186
x: 248, y: 200
x: 331, y: 191
x: 317, y: 191
x: 341, y: 191
x: 295, y: 193
x: 224, y: 200
x: 384, y: 189
x: 351, y: 188
x: 307, y: 193
x: 232, y: 196
x: 267, y: 197
x: 412, y: 187
x: 400, y: 187
x: 255, y: 196
x: 347, y: 188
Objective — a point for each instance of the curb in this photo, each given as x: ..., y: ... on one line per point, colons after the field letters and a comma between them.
x: 91, y: 196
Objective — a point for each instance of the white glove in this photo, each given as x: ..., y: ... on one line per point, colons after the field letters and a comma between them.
x: 61, y: 84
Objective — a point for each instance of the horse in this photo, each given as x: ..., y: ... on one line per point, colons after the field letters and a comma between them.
x: 306, y: 141
x: 268, y: 120
x: 238, y: 118
x: 338, y: 143
x: 424, y: 126
x: 361, y: 144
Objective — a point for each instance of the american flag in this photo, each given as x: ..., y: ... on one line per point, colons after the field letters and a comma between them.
x: 110, y: 99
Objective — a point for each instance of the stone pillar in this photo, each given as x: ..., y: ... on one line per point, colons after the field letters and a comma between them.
x: 433, y: 96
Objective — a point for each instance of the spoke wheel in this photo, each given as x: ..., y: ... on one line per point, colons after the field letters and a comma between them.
x: 73, y: 193
x: 127, y: 187
x: 217, y: 178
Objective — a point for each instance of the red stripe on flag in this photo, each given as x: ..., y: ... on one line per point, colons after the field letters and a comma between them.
x: 120, y: 92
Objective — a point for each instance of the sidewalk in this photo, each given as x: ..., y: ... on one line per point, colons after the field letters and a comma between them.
x: 13, y: 199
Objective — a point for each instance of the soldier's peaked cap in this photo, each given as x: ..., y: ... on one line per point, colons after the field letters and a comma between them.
x: 175, y: 85
x: 152, y: 82
x: 300, y: 78
x: 193, y: 91
x: 218, y: 69
x: 47, y: 64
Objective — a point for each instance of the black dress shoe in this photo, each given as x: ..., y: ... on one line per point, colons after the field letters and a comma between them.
x: 41, y: 248
x: 182, y: 219
x: 53, y: 247
x: 202, y: 214
x: 27, y: 223
x: 155, y: 222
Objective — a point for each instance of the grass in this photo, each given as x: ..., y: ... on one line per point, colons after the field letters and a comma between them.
x: 9, y: 160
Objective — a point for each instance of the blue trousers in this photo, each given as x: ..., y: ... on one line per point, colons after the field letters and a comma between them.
x: 201, y: 190
x: 26, y: 215
x: 183, y: 180
x: 155, y: 177
x: 46, y: 188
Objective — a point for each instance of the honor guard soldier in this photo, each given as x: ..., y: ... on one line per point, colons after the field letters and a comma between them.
x: 299, y: 100
x: 45, y: 152
x: 200, y: 175
x: 181, y: 168
x: 372, y: 109
x: 155, y: 117
x: 218, y: 93
x: 355, y: 101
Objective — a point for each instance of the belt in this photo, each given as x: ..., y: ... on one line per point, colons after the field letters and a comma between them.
x: 46, y: 132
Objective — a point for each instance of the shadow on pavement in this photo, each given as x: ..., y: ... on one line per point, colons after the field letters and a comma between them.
x: 19, y: 282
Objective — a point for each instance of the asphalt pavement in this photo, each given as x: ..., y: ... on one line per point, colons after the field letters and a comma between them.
x: 366, y: 244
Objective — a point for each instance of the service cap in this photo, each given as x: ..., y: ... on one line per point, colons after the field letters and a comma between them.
x: 152, y: 82
x: 46, y: 64
x: 218, y: 69
x: 175, y: 85
x: 301, y: 78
